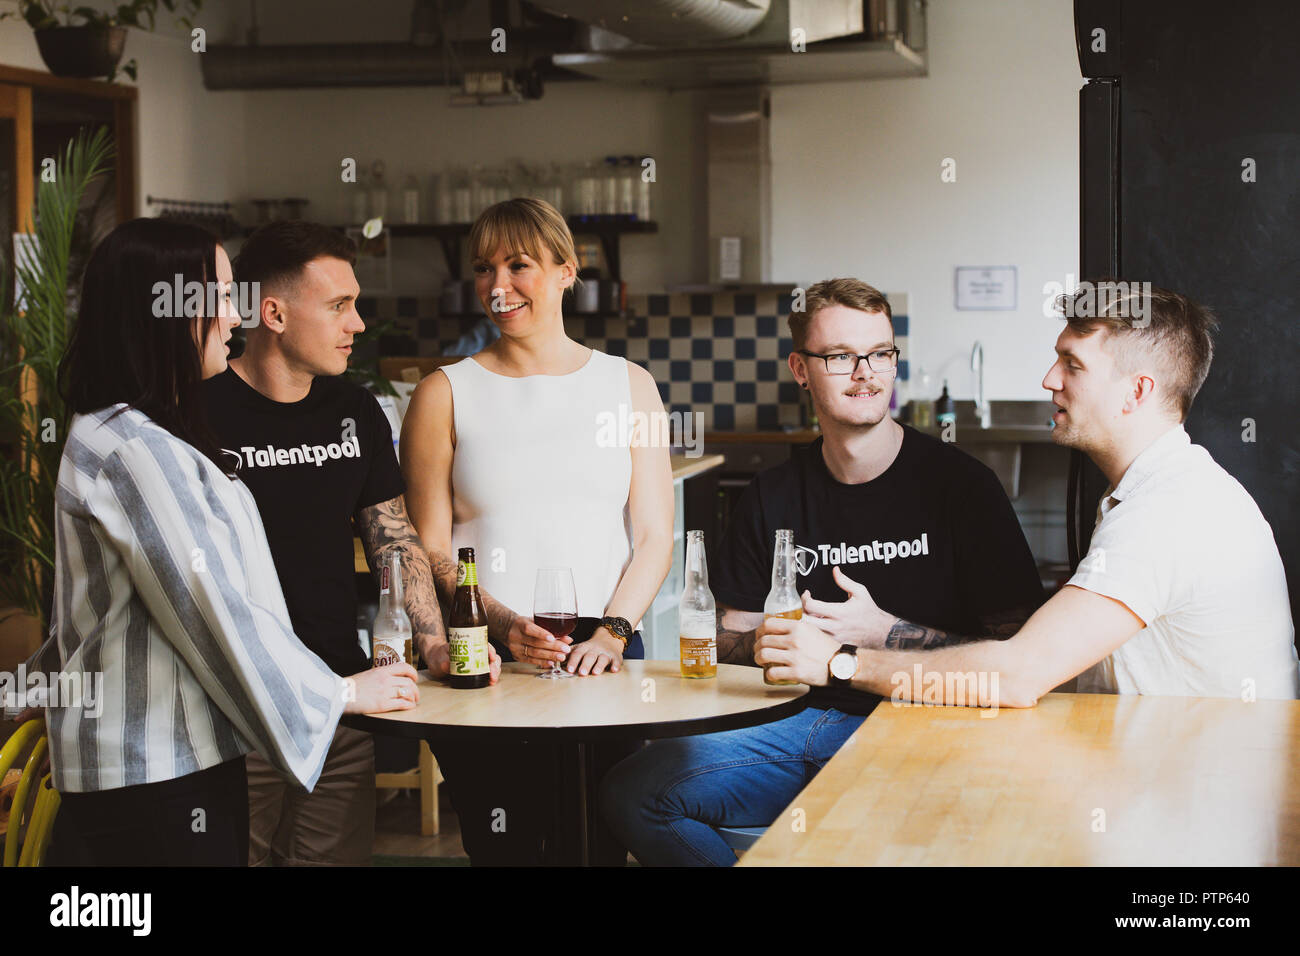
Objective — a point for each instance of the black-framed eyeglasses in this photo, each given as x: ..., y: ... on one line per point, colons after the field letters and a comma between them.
x: 846, y: 363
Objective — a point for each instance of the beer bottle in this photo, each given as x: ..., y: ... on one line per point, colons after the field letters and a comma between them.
x: 783, y: 600
x: 390, y: 640
x: 697, y: 621
x: 467, y: 631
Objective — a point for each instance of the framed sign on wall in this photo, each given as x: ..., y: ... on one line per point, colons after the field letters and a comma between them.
x: 985, y: 288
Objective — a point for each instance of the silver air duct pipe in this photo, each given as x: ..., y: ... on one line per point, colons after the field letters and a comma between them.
x: 666, y: 22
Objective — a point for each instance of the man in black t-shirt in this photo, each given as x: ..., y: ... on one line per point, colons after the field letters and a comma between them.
x: 316, y: 451
x: 926, y: 527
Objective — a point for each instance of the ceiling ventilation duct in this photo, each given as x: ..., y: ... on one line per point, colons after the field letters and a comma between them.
x: 666, y: 22
x: 431, y: 57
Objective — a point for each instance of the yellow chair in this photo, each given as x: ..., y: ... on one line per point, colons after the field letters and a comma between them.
x: 426, y: 776
x: 39, y: 818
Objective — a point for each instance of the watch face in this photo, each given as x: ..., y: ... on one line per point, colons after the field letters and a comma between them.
x: 619, y: 626
x: 844, y: 665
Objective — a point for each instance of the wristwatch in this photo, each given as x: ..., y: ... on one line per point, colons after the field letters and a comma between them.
x: 619, y: 627
x: 844, y: 664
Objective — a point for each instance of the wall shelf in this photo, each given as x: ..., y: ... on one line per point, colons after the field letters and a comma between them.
x: 449, y: 236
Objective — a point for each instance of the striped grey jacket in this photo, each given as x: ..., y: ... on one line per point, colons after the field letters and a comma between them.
x: 165, y: 585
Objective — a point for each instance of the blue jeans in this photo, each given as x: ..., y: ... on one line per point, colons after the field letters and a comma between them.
x: 665, y: 801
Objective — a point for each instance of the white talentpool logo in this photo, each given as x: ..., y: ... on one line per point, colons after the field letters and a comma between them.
x: 102, y: 909
x: 885, y: 551
x: 303, y: 454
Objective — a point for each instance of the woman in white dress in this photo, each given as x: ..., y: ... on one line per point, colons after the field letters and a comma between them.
x: 509, y: 452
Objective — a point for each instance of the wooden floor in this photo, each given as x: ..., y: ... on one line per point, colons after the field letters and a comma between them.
x: 397, y: 827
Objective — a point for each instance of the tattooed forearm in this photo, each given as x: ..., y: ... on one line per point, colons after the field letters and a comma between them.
x: 500, y: 618
x: 734, y: 647
x: 384, y: 529
x: 444, y: 574
x: 1003, y: 624
x: 445, y: 571
x: 906, y: 636
x: 998, y: 626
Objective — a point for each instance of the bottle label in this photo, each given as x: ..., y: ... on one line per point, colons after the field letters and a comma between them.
x: 468, y: 650
x: 466, y: 574
x: 388, y: 650
x: 383, y: 580
x: 697, y: 651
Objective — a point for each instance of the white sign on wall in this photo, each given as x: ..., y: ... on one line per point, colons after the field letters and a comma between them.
x: 986, y: 287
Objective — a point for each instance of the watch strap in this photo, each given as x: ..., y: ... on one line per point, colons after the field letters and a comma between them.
x: 620, y: 627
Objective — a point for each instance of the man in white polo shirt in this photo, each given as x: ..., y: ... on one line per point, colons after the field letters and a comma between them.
x: 1182, y: 592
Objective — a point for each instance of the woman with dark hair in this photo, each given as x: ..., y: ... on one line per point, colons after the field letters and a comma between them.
x: 166, y: 599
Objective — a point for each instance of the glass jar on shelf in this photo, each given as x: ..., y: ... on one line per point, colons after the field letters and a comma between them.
x: 586, y: 187
x: 554, y: 191
x: 481, y: 191
x: 462, y: 195
x: 627, y: 181
x: 411, y: 200
x: 609, y: 189
x: 643, y: 210
x: 440, y: 184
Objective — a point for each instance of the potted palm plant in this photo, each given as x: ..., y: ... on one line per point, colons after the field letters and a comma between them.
x: 93, y: 47
x: 33, y: 336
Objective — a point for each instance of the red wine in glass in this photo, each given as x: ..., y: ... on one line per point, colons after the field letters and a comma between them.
x: 555, y: 608
x: 560, y: 625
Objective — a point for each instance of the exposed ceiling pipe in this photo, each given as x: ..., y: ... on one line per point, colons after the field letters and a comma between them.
x: 666, y: 22
x: 431, y: 58
x: 353, y: 64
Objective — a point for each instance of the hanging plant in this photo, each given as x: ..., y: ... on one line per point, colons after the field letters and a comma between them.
x: 92, y: 47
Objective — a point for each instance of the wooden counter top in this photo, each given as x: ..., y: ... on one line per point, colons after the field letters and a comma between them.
x: 610, y: 706
x: 1079, y: 780
x: 684, y: 467
x: 801, y: 437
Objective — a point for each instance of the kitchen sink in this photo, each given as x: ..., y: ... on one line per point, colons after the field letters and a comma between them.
x: 1011, y: 425
x: 1009, y: 422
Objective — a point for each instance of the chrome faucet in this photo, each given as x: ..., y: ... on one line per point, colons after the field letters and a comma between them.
x: 982, y: 408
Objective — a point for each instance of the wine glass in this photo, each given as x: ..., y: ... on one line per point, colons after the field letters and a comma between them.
x: 555, y: 608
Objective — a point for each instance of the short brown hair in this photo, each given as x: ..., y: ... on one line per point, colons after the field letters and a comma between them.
x: 522, y: 225
x: 1147, y: 321
x: 279, y: 251
x: 852, y: 293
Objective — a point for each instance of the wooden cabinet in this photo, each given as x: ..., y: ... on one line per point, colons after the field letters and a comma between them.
x: 39, y: 114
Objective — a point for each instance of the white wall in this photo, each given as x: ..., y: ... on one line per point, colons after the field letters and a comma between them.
x: 855, y: 165
x: 857, y: 190
x: 190, y: 142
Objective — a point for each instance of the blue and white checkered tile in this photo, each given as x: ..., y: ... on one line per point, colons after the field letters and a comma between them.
x: 723, y: 354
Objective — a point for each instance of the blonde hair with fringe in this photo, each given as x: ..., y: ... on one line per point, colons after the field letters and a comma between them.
x: 522, y: 225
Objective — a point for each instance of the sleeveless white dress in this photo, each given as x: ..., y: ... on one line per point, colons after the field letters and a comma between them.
x: 532, y: 486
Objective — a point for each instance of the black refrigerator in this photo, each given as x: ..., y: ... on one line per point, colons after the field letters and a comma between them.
x: 1190, y: 179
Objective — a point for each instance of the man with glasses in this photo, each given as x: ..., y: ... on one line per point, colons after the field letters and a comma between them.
x: 1182, y: 592
x: 908, y: 515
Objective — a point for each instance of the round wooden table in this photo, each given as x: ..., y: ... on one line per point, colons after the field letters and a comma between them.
x: 645, y: 700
